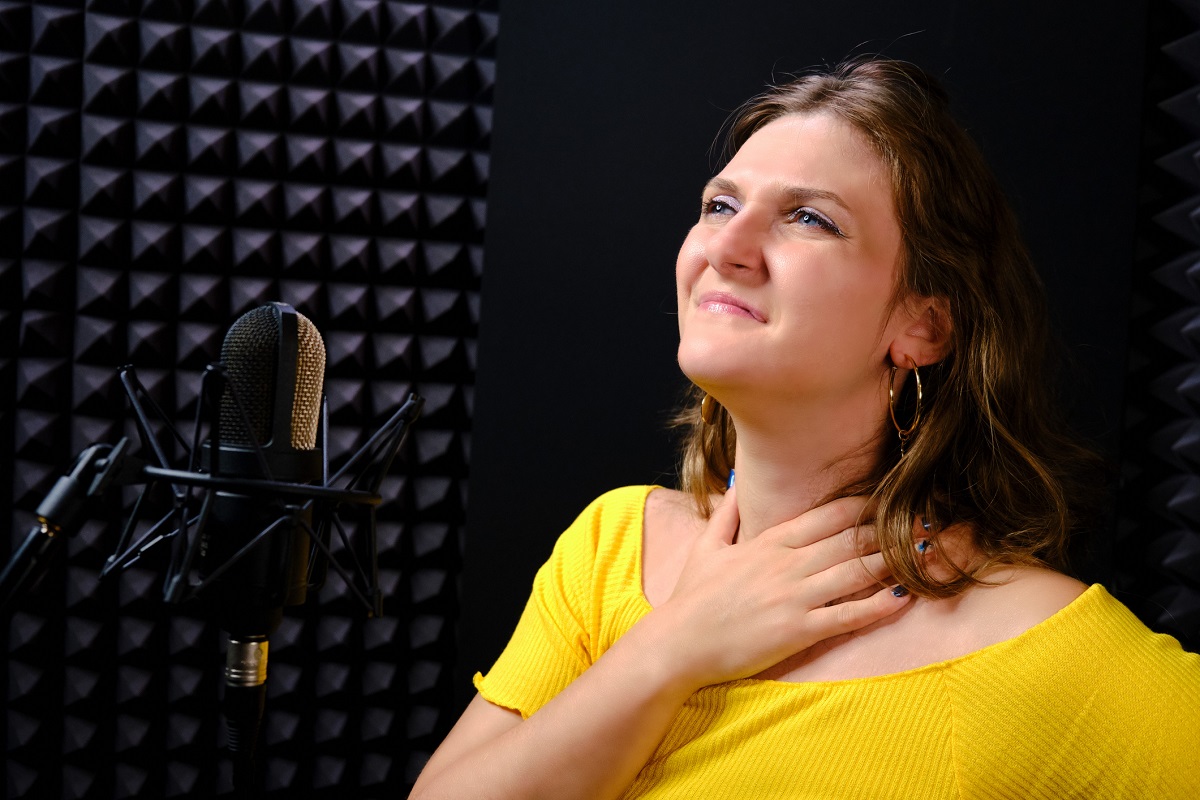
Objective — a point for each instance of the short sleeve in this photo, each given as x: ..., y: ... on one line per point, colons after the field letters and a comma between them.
x: 561, y: 630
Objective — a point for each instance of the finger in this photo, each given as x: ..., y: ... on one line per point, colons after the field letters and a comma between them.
x: 868, y: 569
x: 855, y: 614
x: 922, y: 533
x: 850, y: 544
x: 821, y: 522
x: 850, y: 576
x: 722, y: 526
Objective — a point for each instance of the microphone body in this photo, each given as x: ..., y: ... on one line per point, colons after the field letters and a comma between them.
x: 261, y: 474
x: 248, y: 597
x: 254, y: 550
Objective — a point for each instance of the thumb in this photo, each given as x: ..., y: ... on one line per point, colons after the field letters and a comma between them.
x: 722, y: 526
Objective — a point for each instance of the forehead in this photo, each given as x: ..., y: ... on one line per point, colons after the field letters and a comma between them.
x: 817, y: 145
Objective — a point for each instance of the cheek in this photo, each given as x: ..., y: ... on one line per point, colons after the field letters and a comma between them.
x: 689, y: 265
x: 690, y: 262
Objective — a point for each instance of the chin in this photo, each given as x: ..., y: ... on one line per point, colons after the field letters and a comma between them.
x: 694, y: 362
x: 711, y: 371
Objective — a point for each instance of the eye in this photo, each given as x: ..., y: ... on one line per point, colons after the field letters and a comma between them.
x: 720, y: 205
x: 811, y: 218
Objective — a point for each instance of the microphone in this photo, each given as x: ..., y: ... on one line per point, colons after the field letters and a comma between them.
x: 274, y: 364
x: 249, y: 550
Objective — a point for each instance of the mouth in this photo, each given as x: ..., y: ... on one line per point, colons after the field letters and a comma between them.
x: 726, y: 303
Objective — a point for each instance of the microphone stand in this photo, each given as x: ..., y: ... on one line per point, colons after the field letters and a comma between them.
x: 101, y: 466
x: 58, y: 515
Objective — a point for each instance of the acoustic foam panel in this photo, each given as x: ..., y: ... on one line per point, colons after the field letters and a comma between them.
x: 165, y: 166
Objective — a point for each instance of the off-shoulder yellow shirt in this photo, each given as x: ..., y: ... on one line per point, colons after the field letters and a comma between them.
x: 1087, y: 704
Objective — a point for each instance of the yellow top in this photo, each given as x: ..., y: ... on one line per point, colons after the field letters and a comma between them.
x: 1087, y: 704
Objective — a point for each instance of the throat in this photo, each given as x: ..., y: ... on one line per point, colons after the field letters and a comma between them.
x: 775, y: 486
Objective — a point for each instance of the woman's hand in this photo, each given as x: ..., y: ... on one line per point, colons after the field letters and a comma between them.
x: 736, y: 610
x: 739, y: 608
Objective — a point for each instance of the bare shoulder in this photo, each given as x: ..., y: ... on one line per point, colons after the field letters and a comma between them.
x: 665, y: 505
x: 1013, y: 600
x: 1036, y: 591
x: 669, y: 526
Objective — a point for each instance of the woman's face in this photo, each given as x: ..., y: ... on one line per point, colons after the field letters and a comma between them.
x: 785, y: 282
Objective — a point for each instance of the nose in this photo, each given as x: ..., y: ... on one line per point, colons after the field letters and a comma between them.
x: 738, y: 244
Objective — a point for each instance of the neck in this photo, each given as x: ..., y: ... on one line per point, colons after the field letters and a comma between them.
x: 785, y: 470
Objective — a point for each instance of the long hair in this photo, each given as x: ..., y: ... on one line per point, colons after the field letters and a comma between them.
x: 991, y: 451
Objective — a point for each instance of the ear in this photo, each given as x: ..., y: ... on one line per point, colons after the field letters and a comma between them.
x: 925, y: 332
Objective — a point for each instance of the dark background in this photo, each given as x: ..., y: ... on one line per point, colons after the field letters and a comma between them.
x: 481, y: 202
x: 605, y: 131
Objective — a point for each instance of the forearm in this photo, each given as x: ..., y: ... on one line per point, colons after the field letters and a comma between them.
x: 735, y: 611
x: 588, y: 742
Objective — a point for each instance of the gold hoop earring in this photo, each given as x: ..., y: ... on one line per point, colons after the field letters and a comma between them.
x: 904, y: 433
x: 708, y: 409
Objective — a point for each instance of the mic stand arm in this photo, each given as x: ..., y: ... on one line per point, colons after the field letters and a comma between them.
x: 58, y: 515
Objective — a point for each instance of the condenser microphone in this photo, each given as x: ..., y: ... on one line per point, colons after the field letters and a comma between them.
x: 254, y: 550
x: 244, y: 554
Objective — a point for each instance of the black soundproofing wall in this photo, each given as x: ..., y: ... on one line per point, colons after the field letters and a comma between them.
x: 165, y: 166
x: 1158, y: 535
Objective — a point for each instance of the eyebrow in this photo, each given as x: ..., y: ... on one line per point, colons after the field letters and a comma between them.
x: 796, y: 195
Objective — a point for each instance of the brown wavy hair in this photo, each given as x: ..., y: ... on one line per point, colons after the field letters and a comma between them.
x: 992, y: 451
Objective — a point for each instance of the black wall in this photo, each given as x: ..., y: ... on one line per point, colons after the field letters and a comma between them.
x: 606, y: 116
x: 165, y: 165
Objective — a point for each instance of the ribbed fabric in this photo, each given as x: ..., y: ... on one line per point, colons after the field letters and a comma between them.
x: 1087, y: 704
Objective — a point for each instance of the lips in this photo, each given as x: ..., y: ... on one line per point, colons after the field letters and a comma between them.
x: 726, y: 303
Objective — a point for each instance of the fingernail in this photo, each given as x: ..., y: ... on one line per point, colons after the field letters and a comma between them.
x: 925, y: 524
x: 923, y: 545
x: 730, y: 483
x: 899, y: 591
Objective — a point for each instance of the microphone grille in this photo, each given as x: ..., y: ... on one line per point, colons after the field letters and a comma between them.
x: 251, y: 357
x: 310, y: 379
x: 250, y: 354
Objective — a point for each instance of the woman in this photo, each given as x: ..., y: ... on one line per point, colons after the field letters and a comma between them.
x: 878, y: 607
